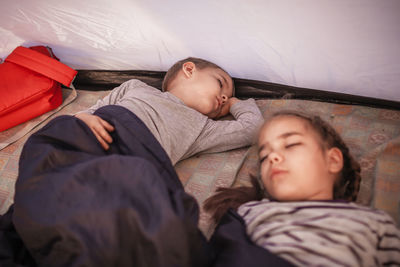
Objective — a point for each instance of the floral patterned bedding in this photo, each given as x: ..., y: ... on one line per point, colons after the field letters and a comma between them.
x: 372, y: 134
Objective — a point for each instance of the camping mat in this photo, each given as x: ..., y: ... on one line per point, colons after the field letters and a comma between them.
x: 373, y: 136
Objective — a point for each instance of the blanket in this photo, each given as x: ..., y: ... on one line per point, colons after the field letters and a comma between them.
x: 77, y: 204
x: 233, y: 248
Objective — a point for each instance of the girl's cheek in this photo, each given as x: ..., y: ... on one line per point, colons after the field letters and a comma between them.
x: 263, y: 168
x: 264, y: 172
x: 264, y: 182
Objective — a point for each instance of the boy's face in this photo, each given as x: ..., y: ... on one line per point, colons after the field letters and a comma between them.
x: 208, y: 91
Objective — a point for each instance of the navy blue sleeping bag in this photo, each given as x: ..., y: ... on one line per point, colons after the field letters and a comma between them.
x: 79, y: 205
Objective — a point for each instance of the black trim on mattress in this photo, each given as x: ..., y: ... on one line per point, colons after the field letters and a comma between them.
x: 97, y: 80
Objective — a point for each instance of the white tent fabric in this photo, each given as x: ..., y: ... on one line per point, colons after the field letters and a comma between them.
x: 348, y: 46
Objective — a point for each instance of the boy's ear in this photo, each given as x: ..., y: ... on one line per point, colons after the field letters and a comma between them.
x: 188, y: 68
x: 335, y: 160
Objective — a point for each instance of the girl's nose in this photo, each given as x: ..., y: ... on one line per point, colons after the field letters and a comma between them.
x: 274, y: 158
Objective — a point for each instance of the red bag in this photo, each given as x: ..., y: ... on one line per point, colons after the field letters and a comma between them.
x: 30, y: 84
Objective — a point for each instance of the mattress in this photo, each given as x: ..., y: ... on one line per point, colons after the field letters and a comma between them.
x: 372, y: 134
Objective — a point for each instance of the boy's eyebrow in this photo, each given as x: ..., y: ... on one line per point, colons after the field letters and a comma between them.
x: 227, y: 84
x: 223, y: 77
x: 282, y: 136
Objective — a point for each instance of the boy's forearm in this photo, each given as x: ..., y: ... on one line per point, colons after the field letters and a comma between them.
x: 248, y: 115
x: 247, y: 112
x: 225, y: 135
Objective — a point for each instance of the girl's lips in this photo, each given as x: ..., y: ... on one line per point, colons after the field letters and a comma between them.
x: 275, y: 172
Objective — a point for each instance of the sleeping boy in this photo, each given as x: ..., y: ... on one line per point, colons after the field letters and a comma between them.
x: 181, y: 118
x: 107, y: 194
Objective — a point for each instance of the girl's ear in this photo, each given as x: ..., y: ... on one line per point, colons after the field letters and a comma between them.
x: 188, y: 69
x: 335, y: 160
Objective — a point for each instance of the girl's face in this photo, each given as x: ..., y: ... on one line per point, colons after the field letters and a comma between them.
x: 294, y: 166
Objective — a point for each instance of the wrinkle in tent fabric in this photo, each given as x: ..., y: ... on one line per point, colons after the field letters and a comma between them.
x: 341, y: 46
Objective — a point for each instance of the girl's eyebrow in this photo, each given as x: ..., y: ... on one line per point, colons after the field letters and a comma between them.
x: 286, y: 135
x: 282, y: 136
x: 262, y: 147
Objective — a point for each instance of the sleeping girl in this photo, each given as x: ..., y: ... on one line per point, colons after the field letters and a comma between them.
x: 301, y: 208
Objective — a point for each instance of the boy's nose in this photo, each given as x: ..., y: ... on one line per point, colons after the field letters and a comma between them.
x: 224, y: 98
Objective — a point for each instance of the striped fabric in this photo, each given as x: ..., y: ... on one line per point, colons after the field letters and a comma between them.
x: 323, y: 233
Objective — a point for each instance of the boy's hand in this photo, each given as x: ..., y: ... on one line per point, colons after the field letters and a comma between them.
x: 232, y: 101
x: 99, y: 127
x: 227, y: 106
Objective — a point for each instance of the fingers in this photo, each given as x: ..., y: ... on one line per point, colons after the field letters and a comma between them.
x: 99, y: 127
x: 233, y: 100
x: 106, y: 125
x: 102, y: 142
x: 103, y: 128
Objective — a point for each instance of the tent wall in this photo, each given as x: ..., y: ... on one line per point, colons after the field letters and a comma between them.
x: 346, y: 46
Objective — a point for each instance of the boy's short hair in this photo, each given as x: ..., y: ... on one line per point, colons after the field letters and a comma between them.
x: 200, y: 64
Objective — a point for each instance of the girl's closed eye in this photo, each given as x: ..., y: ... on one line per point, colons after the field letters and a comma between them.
x: 288, y: 146
x: 263, y: 158
x: 292, y: 145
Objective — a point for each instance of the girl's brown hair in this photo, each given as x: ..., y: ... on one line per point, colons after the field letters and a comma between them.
x: 345, y: 188
x: 200, y: 64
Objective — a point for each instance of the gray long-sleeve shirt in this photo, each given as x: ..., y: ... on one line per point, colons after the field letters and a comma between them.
x: 181, y: 130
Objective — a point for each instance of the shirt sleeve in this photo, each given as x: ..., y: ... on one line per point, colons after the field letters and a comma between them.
x: 223, y: 135
x: 388, y: 248
x: 113, y: 97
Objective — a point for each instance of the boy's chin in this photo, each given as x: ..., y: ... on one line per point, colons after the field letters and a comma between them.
x: 219, y: 113
x: 223, y: 112
x: 213, y: 115
x: 218, y: 116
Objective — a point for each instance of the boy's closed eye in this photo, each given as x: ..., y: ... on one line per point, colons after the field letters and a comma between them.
x: 220, y: 83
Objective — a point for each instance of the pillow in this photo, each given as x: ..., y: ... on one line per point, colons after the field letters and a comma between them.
x: 372, y: 135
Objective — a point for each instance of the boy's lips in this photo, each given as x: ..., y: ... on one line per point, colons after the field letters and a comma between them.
x: 219, y: 103
x: 219, y: 106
